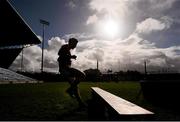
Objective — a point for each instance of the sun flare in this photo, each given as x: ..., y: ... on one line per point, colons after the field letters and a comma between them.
x: 111, y: 28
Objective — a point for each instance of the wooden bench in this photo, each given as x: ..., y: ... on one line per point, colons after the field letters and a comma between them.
x: 106, y: 106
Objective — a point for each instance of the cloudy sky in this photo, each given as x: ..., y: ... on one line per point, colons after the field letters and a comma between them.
x: 121, y: 34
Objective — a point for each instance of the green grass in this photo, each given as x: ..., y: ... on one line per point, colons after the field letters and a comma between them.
x: 48, y: 101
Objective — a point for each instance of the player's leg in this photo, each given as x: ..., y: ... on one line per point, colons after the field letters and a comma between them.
x: 67, y: 76
x: 72, y: 88
x: 79, y: 76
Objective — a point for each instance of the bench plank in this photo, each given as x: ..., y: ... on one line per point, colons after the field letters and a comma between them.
x: 122, y: 106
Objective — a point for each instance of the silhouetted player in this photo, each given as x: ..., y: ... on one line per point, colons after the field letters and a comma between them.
x: 73, y: 76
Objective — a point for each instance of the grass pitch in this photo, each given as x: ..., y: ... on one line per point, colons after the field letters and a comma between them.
x: 48, y: 101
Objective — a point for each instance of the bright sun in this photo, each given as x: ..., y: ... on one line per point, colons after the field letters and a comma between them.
x: 111, y: 28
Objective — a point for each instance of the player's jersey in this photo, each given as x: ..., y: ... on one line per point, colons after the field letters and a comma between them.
x: 64, y: 57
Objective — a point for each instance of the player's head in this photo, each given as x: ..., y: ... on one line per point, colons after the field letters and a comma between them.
x: 73, y: 43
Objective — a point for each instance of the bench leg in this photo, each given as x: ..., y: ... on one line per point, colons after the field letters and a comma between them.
x: 96, y: 108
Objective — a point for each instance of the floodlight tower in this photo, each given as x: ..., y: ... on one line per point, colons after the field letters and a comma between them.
x: 97, y: 64
x: 44, y: 23
x: 22, y: 59
x: 145, y: 67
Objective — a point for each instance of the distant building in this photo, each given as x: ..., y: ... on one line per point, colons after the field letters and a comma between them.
x: 15, y: 34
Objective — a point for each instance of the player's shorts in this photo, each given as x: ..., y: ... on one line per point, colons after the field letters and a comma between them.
x: 72, y: 72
